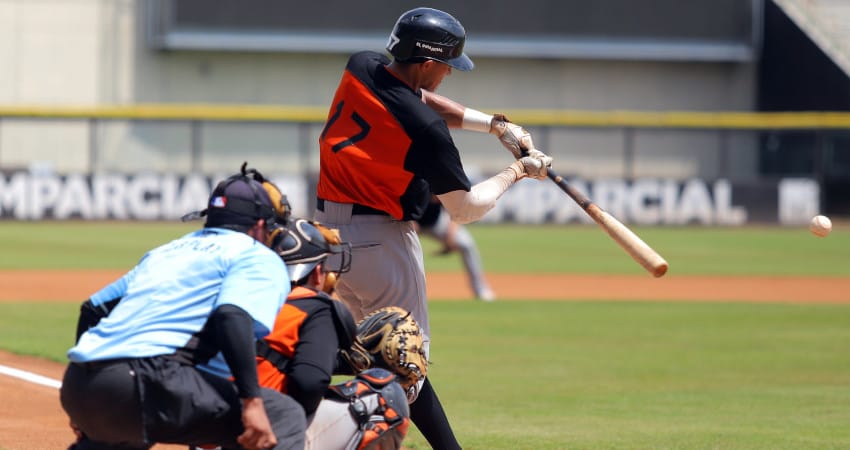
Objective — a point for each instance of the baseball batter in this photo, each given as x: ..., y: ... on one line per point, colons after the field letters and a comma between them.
x: 385, y: 149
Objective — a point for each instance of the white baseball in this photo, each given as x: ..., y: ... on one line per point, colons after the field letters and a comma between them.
x: 820, y: 226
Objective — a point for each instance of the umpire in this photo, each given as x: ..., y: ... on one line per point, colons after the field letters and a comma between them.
x: 165, y: 354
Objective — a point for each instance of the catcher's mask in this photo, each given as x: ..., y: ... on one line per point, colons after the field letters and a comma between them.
x: 241, y: 200
x: 304, y: 244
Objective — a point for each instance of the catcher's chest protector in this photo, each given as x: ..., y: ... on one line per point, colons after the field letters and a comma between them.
x: 378, y: 404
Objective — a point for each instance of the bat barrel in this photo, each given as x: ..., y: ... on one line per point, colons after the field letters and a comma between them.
x: 648, y: 258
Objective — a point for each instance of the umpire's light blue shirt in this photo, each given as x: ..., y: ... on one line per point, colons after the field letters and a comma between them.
x: 170, y: 294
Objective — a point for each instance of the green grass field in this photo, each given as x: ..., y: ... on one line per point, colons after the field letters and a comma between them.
x: 520, y: 374
x: 507, y: 249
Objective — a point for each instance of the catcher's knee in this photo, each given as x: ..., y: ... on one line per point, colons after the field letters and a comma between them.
x: 378, y: 406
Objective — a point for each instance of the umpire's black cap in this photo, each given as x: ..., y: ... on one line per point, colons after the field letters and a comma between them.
x: 238, y: 201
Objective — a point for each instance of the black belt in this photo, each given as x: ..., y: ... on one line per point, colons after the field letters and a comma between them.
x: 356, y: 209
x: 97, y: 365
x: 179, y: 356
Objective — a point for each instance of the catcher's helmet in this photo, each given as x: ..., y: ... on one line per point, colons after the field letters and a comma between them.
x: 304, y: 244
x: 427, y: 33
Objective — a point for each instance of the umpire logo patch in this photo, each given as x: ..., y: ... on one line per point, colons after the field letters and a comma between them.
x: 218, y: 202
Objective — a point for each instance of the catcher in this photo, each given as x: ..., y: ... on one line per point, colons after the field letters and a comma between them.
x: 315, y: 337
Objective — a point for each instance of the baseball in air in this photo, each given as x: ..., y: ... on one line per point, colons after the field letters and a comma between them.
x: 820, y: 226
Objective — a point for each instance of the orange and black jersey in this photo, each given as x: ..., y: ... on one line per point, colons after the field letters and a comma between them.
x: 382, y: 147
x: 305, y: 336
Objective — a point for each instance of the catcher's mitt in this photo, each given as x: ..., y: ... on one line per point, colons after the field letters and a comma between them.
x: 391, y: 339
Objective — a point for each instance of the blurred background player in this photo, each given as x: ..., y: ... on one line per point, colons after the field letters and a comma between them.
x: 166, y: 352
x: 454, y: 237
x: 383, y: 152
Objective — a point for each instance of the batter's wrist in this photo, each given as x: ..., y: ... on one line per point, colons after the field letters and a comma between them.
x: 518, y: 169
x: 475, y: 120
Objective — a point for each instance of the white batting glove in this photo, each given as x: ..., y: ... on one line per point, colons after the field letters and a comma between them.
x: 514, y: 137
x: 534, y: 153
x: 533, y: 167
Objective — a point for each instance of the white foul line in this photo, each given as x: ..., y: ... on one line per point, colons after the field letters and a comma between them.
x: 29, y: 376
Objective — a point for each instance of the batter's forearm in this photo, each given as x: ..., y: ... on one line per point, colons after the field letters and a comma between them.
x: 459, y: 116
x: 465, y: 207
x: 450, y: 110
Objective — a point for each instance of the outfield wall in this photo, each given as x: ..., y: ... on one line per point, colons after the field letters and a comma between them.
x: 97, y: 57
x: 27, y: 195
x: 96, y: 53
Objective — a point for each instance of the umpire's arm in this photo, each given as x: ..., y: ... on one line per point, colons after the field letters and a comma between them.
x: 233, y: 331
x: 90, y: 314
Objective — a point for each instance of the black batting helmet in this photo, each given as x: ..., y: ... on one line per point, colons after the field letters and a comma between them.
x: 304, y: 244
x: 426, y: 33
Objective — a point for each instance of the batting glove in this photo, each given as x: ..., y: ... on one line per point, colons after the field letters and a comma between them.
x: 512, y: 136
x: 534, y: 167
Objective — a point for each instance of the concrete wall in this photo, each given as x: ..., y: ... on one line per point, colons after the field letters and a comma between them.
x: 90, y: 52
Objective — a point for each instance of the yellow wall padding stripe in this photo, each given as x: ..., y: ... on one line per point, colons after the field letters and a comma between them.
x: 204, y: 112
x: 683, y: 119
x: 526, y: 117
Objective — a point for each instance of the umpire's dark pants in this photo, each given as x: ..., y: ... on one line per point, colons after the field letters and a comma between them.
x: 132, y: 404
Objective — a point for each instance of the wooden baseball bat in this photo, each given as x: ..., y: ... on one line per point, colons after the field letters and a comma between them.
x: 630, y: 242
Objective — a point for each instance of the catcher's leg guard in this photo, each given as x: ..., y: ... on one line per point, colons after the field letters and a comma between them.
x: 332, y: 427
x: 368, y: 412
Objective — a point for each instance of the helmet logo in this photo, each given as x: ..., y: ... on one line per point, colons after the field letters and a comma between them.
x: 429, y: 47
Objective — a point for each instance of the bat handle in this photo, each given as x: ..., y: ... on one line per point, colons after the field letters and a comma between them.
x: 576, y: 195
x: 579, y: 198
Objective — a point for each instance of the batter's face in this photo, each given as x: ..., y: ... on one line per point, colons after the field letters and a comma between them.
x: 433, y: 73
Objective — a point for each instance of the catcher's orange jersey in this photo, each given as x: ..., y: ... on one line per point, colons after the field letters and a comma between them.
x: 283, y: 338
x: 382, y: 147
